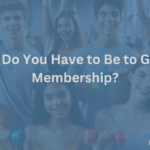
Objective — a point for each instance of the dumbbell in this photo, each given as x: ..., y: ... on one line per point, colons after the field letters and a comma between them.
x: 90, y: 137
x: 18, y: 137
x: 93, y: 87
x: 106, y: 72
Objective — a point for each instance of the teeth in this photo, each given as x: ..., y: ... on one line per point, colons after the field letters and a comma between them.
x: 144, y: 91
x: 13, y: 29
x: 58, y: 109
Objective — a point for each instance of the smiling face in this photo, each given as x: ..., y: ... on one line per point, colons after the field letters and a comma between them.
x: 57, y: 100
x: 140, y: 82
x: 13, y: 23
x: 65, y: 29
x: 109, y: 18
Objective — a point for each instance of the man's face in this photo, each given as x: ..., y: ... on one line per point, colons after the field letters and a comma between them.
x: 109, y: 18
x: 13, y: 23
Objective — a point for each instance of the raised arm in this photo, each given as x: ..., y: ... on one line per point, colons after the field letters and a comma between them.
x: 144, y: 14
x: 48, y: 26
x: 75, y: 8
x: 31, y: 32
x: 63, y: 5
x: 37, y: 30
x: 90, y: 35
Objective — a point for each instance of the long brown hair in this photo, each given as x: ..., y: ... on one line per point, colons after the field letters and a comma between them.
x: 79, y: 38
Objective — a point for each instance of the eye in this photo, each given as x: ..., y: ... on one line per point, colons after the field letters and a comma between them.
x: 142, y: 76
x: 48, y: 98
x: 103, y: 14
x: 17, y: 18
x: 115, y: 14
x: 62, y: 95
x: 6, y: 19
x: 68, y: 25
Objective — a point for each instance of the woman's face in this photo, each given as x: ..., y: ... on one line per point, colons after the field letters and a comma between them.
x: 65, y: 29
x: 57, y: 100
x: 140, y: 82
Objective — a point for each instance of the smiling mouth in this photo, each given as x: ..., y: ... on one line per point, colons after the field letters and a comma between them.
x: 109, y: 27
x: 57, y: 110
x: 13, y: 30
x: 64, y: 36
x: 144, y: 91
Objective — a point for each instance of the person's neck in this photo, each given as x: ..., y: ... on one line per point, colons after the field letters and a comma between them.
x: 16, y: 44
x: 58, y: 124
x: 135, y: 105
x: 108, y: 41
x: 68, y: 45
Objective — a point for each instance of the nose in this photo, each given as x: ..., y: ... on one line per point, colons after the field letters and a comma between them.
x: 12, y: 22
x: 63, y: 28
x: 57, y: 101
x: 109, y: 17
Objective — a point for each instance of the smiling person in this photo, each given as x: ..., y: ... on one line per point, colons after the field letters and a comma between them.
x: 16, y: 80
x: 63, y: 39
x: 130, y: 115
x: 57, y: 119
x: 108, y: 16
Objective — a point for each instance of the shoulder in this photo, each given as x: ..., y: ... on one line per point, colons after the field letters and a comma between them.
x: 103, y: 119
x: 31, y: 128
x: 31, y: 131
x: 128, y: 51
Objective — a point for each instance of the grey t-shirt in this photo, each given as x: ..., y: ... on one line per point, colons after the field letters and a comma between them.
x: 107, y: 95
x: 16, y: 83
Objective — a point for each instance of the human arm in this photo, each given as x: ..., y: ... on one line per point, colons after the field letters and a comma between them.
x: 30, y: 131
x: 103, y: 124
x: 75, y: 8
x: 91, y: 32
x: 49, y: 31
x: 37, y: 30
x: 8, y: 126
x: 63, y: 5
x: 144, y: 14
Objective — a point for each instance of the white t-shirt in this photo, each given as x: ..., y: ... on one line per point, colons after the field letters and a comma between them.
x: 107, y: 95
x: 16, y: 84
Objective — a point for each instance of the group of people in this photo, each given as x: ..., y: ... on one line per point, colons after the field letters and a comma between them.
x: 63, y: 111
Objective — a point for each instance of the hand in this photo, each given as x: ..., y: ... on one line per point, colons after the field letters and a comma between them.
x: 4, y: 137
x: 46, y: 3
x: 104, y: 139
x: 123, y: 74
x: 74, y: 6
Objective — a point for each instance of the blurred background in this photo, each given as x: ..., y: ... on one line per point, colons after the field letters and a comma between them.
x: 130, y: 26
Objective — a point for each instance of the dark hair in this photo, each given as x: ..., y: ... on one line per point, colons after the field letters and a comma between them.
x: 41, y: 116
x: 79, y: 38
x: 119, y: 4
x: 126, y: 86
x: 15, y: 5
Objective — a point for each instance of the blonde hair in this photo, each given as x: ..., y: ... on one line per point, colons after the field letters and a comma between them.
x: 14, y: 5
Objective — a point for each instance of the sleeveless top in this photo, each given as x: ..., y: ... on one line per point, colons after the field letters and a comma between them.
x: 74, y: 147
x: 6, y: 120
x: 132, y: 141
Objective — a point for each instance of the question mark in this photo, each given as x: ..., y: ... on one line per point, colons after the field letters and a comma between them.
x: 116, y: 76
